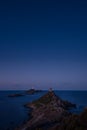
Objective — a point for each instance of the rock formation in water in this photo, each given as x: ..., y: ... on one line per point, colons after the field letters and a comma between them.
x: 46, y: 111
x: 28, y: 92
x: 15, y: 95
x: 32, y: 91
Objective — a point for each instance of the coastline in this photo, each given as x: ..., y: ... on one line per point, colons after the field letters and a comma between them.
x: 39, y: 113
x: 77, y: 97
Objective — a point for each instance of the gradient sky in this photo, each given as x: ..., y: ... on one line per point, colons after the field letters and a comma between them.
x: 43, y: 43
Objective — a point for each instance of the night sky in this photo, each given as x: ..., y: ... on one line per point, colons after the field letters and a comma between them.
x: 43, y: 43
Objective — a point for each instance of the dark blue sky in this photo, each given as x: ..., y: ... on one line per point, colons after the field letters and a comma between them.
x: 43, y: 43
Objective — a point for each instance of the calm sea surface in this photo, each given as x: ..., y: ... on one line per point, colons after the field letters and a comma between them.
x: 13, y: 113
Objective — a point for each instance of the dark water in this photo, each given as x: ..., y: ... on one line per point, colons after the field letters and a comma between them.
x: 13, y: 113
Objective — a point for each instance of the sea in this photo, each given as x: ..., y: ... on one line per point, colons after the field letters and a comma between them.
x: 13, y: 113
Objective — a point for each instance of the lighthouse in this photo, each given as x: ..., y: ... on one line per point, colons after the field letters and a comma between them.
x: 50, y: 90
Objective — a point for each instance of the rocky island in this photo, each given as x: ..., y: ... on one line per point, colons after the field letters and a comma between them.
x: 47, y: 111
x: 15, y: 95
x: 28, y: 92
x: 32, y: 91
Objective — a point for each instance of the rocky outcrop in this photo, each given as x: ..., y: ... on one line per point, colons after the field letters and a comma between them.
x: 50, y: 99
x: 73, y: 122
x: 15, y: 95
x: 46, y: 111
x: 32, y: 91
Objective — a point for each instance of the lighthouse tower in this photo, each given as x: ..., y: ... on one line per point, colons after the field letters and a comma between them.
x: 50, y: 90
x: 32, y: 87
